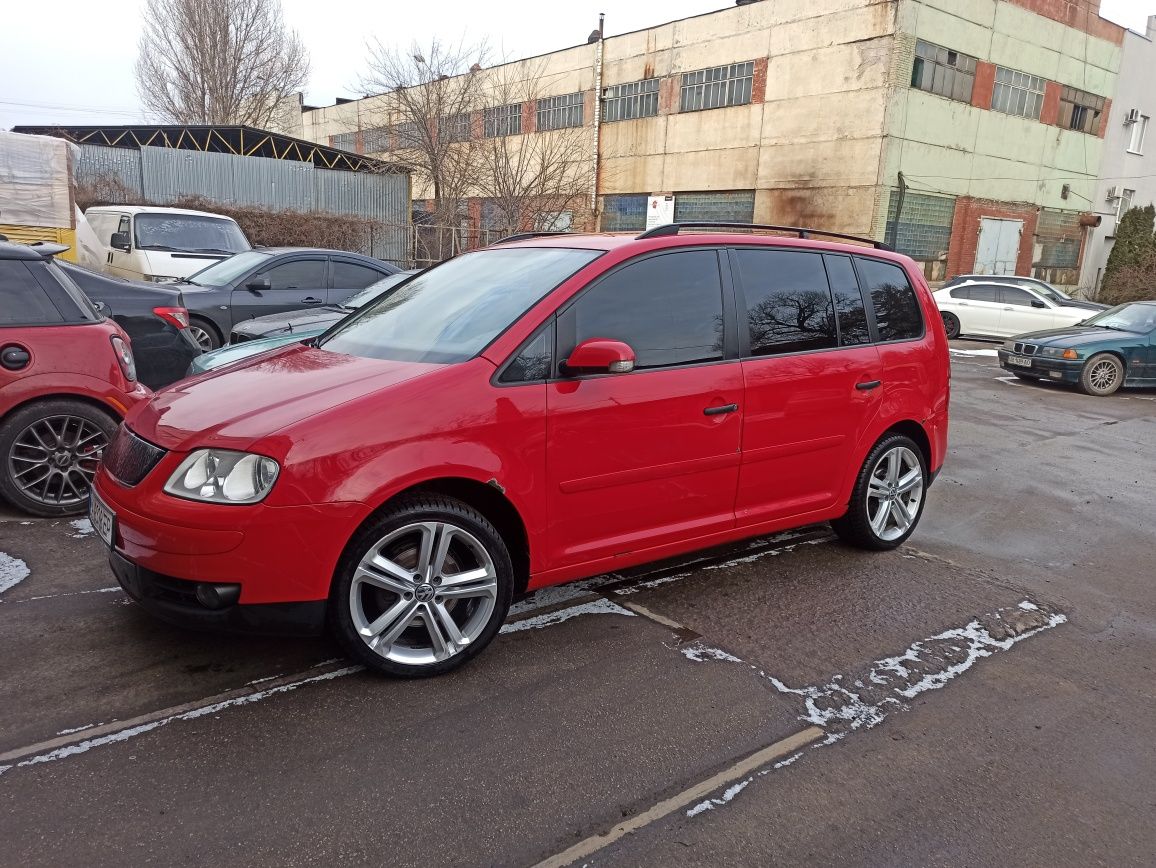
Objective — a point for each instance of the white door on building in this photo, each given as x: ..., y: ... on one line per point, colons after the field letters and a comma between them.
x: 999, y: 245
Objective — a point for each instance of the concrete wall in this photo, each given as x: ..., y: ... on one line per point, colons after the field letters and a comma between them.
x: 1121, y: 169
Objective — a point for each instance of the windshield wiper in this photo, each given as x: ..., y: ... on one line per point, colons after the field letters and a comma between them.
x: 211, y: 250
x: 158, y: 247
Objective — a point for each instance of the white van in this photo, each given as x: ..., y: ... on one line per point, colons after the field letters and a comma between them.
x: 162, y: 244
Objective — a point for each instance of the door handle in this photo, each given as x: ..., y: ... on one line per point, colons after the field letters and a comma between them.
x: 718, y: 411
x: 1009, y: 308
x: 311, y: 300
x: 869, y: 385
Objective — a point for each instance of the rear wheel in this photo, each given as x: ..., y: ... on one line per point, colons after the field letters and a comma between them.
x: 422, y: 589
x: 950, y: 324
x: 204, y: 333
x: 1102, y: 375
x: 49, y: 454
x: 887, y: 501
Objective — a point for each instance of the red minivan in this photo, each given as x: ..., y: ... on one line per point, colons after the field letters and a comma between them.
x: 67, y: 377
x: 547, y: 408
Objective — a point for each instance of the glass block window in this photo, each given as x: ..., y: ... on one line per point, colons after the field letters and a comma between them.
x: 558, y: 112
x: 1080, y: 110
x: 344, y: 141
x: 408, y: 135
x: 925, y: 228
x: 376, y: 140
x: 717, y: 87
x: 623, y: 102
x: 1058, y: 235
x: 455, y: 128
x: 1017, y: 93
x: 736, y: 206
x: 943, y: 71
x: 624, y: 213
x: 502, y: 120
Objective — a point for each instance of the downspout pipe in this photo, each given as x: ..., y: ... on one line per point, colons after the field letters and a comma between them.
x: 594, y: 163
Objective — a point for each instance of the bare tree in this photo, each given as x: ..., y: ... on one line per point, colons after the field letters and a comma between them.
x: 218, y: 61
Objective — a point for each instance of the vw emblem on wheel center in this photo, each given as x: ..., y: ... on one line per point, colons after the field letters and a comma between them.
x: 424, y: 593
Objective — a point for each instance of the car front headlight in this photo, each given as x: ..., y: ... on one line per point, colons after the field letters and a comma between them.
x: 160, y: 278
x: 1059, y: 353
x: 223, y: 476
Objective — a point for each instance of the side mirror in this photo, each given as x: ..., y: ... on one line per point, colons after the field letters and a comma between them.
x: 257, y: 284
x: 120, y: 241
x: 600, y: 356
x: 101, y: 307
x: 1037, y: 303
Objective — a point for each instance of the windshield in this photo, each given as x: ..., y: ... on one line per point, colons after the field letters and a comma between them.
x: 188, y: 233
x: 1126, y: 317
x: 228, y: 270
x: 451, y: 312
x: 362, y: 298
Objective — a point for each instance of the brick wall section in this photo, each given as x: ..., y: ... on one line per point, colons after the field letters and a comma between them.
x: 668, y: 90
x: 965, y: 232
x: 1083, y: 15
x: 1104, y: 115
x: 1050, y: 112
x: 359, y: 142
x: 529, y: 116
x: 588, y: 99
x: 477, y: 125
x: 759, y: 82
x: 984, y: 84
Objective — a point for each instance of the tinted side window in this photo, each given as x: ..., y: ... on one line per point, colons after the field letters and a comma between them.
x: 897, y: 314
x: 668, y: 308
x: 302, y: 274
x: 533, y: 362
x: 985, y: 293
x: 346, y: 275
x: 22, y: 301
x: 963, y: 292
x: 1016, y: 296
x: 849, y: 308
x: 789, y: 307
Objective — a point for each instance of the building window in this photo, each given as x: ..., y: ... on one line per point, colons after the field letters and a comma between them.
x: 924, y: 231
x: 557, y: 112
x: 1080, y: 110
x: 502, y: 120
x: 624, y: 213
x: 345, y: 141
x: 408, y: 135
x: 623, y: 102
x: 943, y: 71
x: 455, y: 128
x: 1125, y: 203
x: 376, y: 140
x: 1139, y: 130
x: 737, y: 206
x: 1058, y: 238
x: 717, y: 87
x: 1017, y: 93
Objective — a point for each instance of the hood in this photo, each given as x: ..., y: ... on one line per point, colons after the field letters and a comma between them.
x: 1083, y: 305
x: 1075, y: 336
x: 294, y: 320
x: 232, y: 408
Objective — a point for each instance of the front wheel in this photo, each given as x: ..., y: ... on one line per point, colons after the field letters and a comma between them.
x: 1102, y: 375
x: 887, y: 501
x: 422, y: 588
x: 950, y: 324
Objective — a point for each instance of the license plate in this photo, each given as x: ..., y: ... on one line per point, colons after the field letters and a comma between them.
x: 1019, y: 361
x: 103, y: 519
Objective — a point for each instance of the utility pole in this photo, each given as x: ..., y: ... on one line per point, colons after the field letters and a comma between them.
x: 893, y: 232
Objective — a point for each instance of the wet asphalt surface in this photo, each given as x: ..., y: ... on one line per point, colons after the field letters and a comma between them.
x: 985, y: 694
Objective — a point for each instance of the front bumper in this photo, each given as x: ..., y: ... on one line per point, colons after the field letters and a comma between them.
x: 1057, y: 370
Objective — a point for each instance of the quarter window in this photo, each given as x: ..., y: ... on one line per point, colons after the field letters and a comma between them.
x: 943, y: 71
x: 558, y: 112
x: 1017, y: 93
x: 532, y: 364
x: 717, y: 87
x: 668, y: 308
x: 897, y: 315
x: 637, y: 99
x: 302, y: 274
x: 849, y: 307
x: 789, y: 306
x: 25, y: 303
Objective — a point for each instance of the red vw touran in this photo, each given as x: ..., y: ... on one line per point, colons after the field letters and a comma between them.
x: 547, y: 408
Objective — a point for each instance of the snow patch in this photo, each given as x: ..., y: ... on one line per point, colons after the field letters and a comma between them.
x: 991, y: 353
x: 594, y: 607
x: 651, y: 583
x: 728, y: 794
x: 13, y: 571
x: 781, y: 550
x: 83, y: 528
x: 699, y: 653
x: 556, y: 594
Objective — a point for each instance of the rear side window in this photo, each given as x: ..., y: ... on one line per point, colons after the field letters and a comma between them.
x: 789, y: 305
x: 897, y: 314
x: 984, y: 293
x: 963, y: 292
x: 668, y: 308
x: 22, y: 301
x: 849, y: 307
x: 347, y: 275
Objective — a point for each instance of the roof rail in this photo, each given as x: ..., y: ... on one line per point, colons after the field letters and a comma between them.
x: 799, y: 231
x: 522, y: 236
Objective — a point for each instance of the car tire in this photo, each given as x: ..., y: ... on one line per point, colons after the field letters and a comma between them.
x: 888, y: 498
x: 205, y: 334
x: 950, y: 324
x: 63, y: 436
x: 396, y: 609
x: 1101, y: 375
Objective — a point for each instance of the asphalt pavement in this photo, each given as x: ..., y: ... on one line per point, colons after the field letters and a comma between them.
x: 983, y: 695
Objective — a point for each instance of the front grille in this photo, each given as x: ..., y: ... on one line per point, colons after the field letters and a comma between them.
x: 1023, y: 349
x: 129, y: 458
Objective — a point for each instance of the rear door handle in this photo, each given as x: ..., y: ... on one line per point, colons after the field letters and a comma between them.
x: 311, y: 300
x: 869, y: 385
x: 718, y: 411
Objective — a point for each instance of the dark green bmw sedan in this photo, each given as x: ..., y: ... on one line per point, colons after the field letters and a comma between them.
x: 1111, y: 349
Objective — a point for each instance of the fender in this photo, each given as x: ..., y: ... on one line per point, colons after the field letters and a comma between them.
x: 50, y: 385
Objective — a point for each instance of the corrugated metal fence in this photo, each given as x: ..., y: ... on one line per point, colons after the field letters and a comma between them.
x: 164, y: 175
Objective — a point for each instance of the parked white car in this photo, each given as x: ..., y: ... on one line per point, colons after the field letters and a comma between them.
x: 1001, y: 310
x: 162, y: 244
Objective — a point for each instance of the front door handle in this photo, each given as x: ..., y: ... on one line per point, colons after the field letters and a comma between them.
x: 311, y: 300
x: 869, y: 385
x: 718, y: 411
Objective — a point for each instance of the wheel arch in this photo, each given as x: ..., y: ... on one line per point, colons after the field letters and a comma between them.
x: 64, y: 396
x: 910, y: 428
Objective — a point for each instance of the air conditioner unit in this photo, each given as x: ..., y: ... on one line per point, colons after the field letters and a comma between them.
x: 1133, y: 117
x: 1113, y: 194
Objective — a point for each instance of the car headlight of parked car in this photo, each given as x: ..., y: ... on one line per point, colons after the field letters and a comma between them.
x: 223, y: 476
x: 160, y: 278
x: 1059, y: 353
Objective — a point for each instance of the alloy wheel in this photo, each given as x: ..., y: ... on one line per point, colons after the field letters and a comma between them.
x: 423, y: 593
x: 202, y: 337
x: 53, y: 460
x: 894, y: 493
x: 1103, y: 375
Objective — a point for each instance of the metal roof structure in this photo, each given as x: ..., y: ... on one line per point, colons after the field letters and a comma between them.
x: 237, y: 140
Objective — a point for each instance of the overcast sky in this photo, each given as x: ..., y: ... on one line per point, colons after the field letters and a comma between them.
x: 75, y: 63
